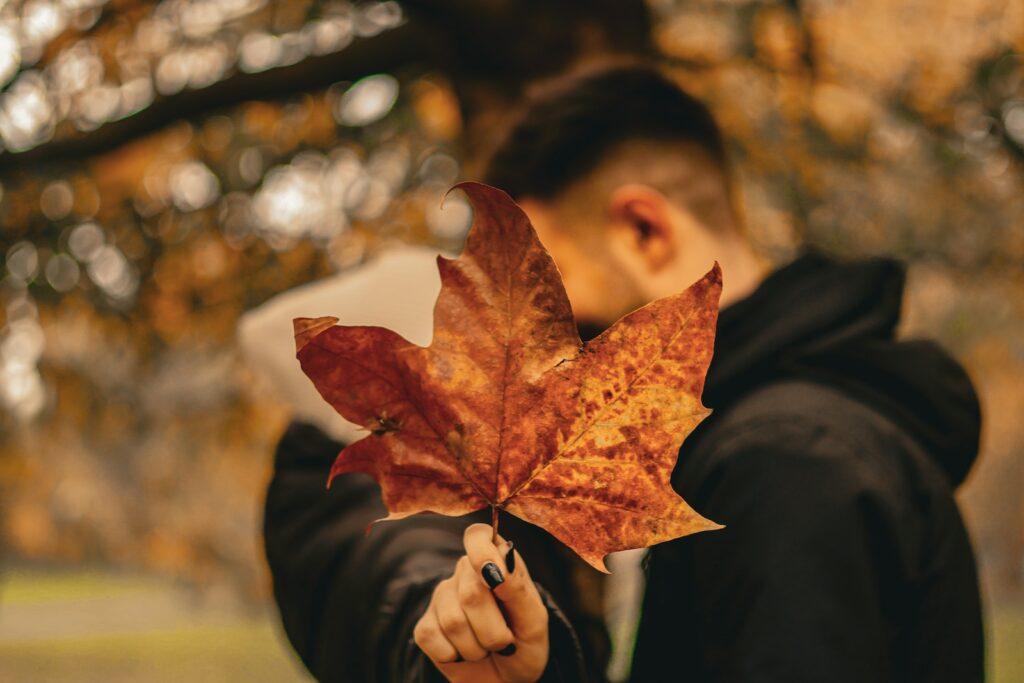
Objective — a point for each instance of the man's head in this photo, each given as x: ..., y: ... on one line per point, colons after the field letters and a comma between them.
x: 626, y: 178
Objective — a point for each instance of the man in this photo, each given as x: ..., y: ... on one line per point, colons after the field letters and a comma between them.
x: 831, y: 456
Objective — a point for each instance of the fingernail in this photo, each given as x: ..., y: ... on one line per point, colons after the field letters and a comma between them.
x: 492, y: 575
x: 508, y: 650
x: 510, y: 559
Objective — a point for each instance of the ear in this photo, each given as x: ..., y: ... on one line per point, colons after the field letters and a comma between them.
x: 641, y: 226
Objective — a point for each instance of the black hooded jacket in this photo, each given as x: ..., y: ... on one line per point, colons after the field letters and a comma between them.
x: 831, y: 457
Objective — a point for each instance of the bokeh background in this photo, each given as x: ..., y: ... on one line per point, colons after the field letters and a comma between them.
x: 166, y: 166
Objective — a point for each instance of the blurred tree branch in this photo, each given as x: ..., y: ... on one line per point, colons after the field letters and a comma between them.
x: 389, y: 50
x: 495, y: 45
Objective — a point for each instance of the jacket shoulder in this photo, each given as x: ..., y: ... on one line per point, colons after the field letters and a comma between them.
x: 809, y: 407
x: 794, y: 423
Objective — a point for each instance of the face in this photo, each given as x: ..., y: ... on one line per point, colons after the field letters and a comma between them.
x: 598, y: 289
x: 622, y: 249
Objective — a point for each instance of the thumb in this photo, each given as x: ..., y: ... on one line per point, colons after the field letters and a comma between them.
x: 520, y: 599
x: 502, y: 568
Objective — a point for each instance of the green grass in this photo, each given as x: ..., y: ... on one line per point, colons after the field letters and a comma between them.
x: 92, y: 626
x: 1006, y: 643
x: 19, y: 586
x: 218, y: 646
x: 247, y: 651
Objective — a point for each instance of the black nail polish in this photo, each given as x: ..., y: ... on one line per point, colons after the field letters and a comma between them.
x: 510, y: 558
x: 492, y: 575
x: 508, y: 650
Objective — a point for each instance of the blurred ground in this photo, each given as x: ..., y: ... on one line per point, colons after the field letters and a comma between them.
x: 84, y: 626
x: 1006, y: 656
x: 59, y: 626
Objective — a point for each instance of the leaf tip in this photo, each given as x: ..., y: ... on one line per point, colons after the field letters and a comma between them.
x: 709, y: 525
x: 466, y: 186
x: 392, y: 517
x: 333, y: 473
x: 714, y: 275
x: 597, y: 562
x: 307, y: 328
x: 477, y: 191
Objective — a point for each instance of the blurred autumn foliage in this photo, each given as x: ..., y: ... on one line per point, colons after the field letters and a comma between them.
x: 167, y: 166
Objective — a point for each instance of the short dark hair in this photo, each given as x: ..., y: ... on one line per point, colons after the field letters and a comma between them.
x: 566, y: 132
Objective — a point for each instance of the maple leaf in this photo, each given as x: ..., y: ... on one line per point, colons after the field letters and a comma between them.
x: 508, y: 409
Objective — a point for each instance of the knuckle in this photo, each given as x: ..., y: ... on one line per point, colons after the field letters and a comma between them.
x: 513, y: 590
x: 534, y: 632
x: 452, y: 624
x: 495, y: 641
x: 440, y: 589
x: 472, y: 594
x: 424, y: 633
x: 535, y: 628
x: 444, y: 592
x: 474, y: 654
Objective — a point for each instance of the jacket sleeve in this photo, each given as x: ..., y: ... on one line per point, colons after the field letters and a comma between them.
x: 793, y: 588
x: 349, y: 599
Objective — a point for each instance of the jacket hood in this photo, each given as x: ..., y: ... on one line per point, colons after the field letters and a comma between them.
x: 835, y: 322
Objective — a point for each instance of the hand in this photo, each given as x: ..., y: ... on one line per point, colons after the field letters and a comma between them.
x: 487, y: 623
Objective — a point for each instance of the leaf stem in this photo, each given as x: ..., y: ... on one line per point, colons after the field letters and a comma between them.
x: 494, y: 524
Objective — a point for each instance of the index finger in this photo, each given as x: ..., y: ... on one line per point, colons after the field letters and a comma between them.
x: 480, y: 549
x: 512, y: 586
